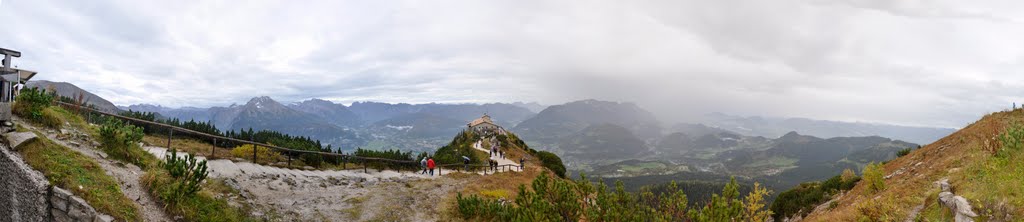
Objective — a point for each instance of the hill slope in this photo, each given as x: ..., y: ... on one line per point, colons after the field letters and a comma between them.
x: 70, y: 90
x: 993, y: 184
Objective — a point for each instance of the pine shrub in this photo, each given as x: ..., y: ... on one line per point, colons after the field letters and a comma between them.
x: 120, y: 140
x: 187, y: 171
x: 31, y: 102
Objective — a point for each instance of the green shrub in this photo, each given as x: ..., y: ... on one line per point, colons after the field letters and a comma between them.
x: 552, y: 162
x: 199, y: 207
x: 554, y: 199
x: 460, y: 146
x: 188, y: 173
x: 903, y: 152
x: 874, y: 176
x: 804, y: 197
x: 31, y: 102
x: 1011, y: 140
x: 120, y: 140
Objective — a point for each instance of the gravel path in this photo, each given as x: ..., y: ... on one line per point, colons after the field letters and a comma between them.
x: 329, y: 195
x: 501, y: 161
x: 127, y: 175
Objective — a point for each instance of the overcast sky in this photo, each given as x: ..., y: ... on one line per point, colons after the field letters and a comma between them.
x: 916, y: 62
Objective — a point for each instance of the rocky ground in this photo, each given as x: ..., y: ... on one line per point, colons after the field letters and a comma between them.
x: 331, y: 195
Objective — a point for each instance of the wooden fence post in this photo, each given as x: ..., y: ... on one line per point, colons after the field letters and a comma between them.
x: 364, y: 166
x: 344, y: 162
x: 254, y: 147
x: 169, y: 136
x: 213, y: 150
x: 289, y: 153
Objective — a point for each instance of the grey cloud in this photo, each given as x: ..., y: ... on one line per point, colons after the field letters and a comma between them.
x: 933, y: 63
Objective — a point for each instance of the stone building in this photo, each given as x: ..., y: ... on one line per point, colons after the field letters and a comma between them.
x: 484, y: 124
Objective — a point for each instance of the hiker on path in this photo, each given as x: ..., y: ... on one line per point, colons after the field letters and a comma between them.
x: 465, y: 163
x: 423, y: 164
x: 522, y: 160
x: 502, y: 153
x: 430, y: 165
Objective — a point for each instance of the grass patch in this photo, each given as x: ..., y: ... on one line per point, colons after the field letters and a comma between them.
x: 81, y: 175
x: 495, y: 194
x: 774, y: 161
x: 356, y: 211
x: 188, y: 145
x: 642, y: 166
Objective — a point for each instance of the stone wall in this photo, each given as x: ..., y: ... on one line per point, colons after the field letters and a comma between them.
x: 27, y: 196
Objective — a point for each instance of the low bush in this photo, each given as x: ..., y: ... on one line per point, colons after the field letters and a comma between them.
x: 553, y: 162
x: 804, y: 197
x: 903, y: 152
x: 51, y: 118
x: 188, y: 172
x: 120, y: 140
x: 874, y: 176
x: 554, y: 199
x: 31, y: 103
x: 202, y: 206
x: 1011, y: 140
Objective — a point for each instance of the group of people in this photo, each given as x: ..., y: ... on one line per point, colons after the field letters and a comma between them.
x: 428, y: 165
x: 495, y: 151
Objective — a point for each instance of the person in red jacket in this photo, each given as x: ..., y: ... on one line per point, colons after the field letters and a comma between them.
x: 430, y: 165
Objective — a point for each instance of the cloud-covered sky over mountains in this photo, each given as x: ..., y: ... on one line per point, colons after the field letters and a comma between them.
x: 916, y: 62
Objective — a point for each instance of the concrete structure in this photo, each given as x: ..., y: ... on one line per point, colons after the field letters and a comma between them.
x: 26, y: 195
x: 10, y: 77
x: 485, y: 124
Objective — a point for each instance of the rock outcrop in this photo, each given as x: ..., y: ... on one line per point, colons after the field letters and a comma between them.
x: 957, y: 204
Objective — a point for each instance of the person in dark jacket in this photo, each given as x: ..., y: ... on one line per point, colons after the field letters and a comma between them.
x: 522, y: 161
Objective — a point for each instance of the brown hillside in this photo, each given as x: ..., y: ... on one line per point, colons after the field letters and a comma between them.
x: 993, y: 187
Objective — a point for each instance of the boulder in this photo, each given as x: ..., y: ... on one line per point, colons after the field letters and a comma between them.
x: 16, y: 139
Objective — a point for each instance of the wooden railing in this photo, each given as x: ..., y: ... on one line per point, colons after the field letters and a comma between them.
x: 399, y: 164
x: 213, y: 149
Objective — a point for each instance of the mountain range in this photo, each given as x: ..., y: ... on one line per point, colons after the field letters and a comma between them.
x: 775, y: 127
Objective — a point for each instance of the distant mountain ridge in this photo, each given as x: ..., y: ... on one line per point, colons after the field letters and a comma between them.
x: 773, y: 127
x: 374, y: 125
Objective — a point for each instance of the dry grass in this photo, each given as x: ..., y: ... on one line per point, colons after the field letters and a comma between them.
x: 962, y: 157
x: 188, y: 145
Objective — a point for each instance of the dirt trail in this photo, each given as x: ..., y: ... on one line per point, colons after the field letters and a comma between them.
x: 127, y: 175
